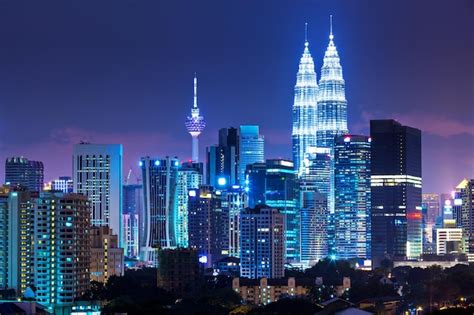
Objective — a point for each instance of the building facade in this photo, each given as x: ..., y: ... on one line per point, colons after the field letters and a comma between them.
x: 21, y: 171
x: 106, y: 256
x: 303, y: 133
x: 97, y: 174
x: 396, y: 191
x: 159, y: 206
x: 62, y: 248
x: 352, y: 197
x: 223, y: 159
x: 207, y: 224
x: 465, y: 192
x: 63, y: 183
x: 132, y: 207
x: 251, y: 149
x: 262, y: 243
x: 233, y: 200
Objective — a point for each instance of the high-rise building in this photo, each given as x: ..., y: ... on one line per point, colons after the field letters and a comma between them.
x: 465, y: 192
x: 352, y: 197
x: 62, y: 248
x: 97, y: 174
x: 331, y: 118
x: 206, y: 224
x: 233, y: 200
x: 396, y: 191
x: 251, y: 149
x: 63, y: 183
x: 159, y: 207
x: 189, y: 177
x: 262, y: 248
x: 313, y: 227
x: 106, y: 256
x: 280, y: 191
x: 16, y: 239
x: 195, y: 124
x: 430, y: 212
x: 304, y: 109
x: 449, y: 240
x: 132, y: 207
x: 223, y: 159
x: 21, y: 171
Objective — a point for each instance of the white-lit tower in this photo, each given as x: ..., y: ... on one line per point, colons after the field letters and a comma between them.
x: 304, y: 109
x: 195, y: 124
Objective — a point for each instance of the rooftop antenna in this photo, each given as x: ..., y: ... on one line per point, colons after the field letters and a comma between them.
x: 331, y: 36
x: 195, y: 90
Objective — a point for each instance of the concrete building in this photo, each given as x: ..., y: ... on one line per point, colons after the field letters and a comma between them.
x: 106, y: 256
x: 449, y: 240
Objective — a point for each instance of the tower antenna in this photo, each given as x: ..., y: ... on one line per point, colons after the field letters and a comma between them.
x: 331, y: 36
x: 306, y: 32
x: 195, y: 90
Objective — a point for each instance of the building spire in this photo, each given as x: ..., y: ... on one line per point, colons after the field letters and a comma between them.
x: 331, y: 36
x: 195, y: 104
x: 306, y: 34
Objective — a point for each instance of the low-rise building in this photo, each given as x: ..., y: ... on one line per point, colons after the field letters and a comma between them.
x: 264, y: 291
x: 106, y: 255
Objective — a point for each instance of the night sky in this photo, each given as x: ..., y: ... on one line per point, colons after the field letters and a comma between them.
x: 122, y: 72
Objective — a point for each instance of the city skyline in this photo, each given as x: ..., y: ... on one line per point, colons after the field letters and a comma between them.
x: 122, y: 71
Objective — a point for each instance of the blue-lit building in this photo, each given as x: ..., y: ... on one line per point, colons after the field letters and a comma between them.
x: 159, y: 206
x: 223, y: 159
x: 397, y: 231
x: 331, y: 118
x: 274, y: 183
x: 21, y: 171
x: 313, y: 227
x: 62, y: 248
x: 304, y: 109
x: 63, y: 183
x: 233, y: 200
x: 189, y: 177
x: 251, y: 149
x: 16, y: 239
x: 352, y: 197
x: 262, y: 248
x: 207, y: 224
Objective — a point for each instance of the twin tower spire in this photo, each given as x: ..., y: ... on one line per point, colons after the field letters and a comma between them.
x: 319, y: 110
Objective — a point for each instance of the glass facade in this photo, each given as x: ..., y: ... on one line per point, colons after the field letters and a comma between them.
x: 21, y: 171
x: 251, y: 149
x: 352, y: 197
x: 396, y: 191
x: 132, y: 207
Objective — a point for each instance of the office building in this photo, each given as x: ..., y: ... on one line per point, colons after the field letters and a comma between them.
x: 195, y: 124
x: 159, y: 207
x: 63, y: 183
x: 97, y: 174
x: 233, y: 200
x: 430, y: 212
x: 207, y: 224
x: 352, y: 197
x: 251, y: 149
x: 223, y: 159
x: 132, y: 208
x: 465, y: 197
x: 313, y: 227
x: 189, y: 177
x: 21, y: 171
x: 16, y: 239
x: 396, y: 191
x: 262, y: 247
x: 274, y: 184
x: 303, y: 133
x: 449, y: 241
x: 106, y: 256
x: 62, y: 248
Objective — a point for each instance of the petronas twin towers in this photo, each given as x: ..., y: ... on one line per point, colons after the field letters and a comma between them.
x: 319, y: 112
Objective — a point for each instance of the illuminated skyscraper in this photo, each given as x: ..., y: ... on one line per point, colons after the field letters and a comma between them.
x: 331, y: 118
x: 159, y: 207
x: 97, y: 174
x: 251, y: 149
x: 132, y: 208
x: 195, y: 124
x: 465, y: 193
x: 396, y: 191
x: 223, y: 159
x: 352, y: 197
x: 304, y: 109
